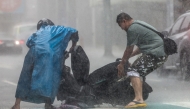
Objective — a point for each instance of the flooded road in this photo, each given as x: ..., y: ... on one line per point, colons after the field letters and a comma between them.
x: 168, y: 93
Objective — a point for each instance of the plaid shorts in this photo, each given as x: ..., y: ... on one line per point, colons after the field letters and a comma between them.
x: 145, y: 64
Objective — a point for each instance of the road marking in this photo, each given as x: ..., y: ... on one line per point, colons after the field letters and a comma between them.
x: 9, y: 82
x: 154, y: 80
x: 181, y: 104
x: 6, y: 66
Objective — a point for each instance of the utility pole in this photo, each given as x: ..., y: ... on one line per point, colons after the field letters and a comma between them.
x: 108, y: 28
x: 170, y: 12
x: 71, y: 13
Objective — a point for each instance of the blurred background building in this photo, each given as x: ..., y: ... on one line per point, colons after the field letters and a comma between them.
x: 94, y: 19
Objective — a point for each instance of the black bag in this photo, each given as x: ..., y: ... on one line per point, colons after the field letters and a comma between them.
x: 170, y: 47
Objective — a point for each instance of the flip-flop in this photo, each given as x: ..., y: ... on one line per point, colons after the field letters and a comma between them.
x: 137, y: 104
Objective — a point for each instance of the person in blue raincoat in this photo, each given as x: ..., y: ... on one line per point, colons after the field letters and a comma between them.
x: 41, y: 73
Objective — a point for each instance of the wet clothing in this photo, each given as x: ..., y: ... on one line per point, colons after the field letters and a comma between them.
x: 150, y: 45
x: 147, y: 41
x: 41, y: 73
x: 145, y: 64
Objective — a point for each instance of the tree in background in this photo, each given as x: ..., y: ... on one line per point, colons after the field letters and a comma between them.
x: 180, y: 7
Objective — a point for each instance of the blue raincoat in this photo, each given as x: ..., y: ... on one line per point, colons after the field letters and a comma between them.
x: 41, y: 73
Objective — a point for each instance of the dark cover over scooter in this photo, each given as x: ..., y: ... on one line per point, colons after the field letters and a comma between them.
x: 100, y: 86
x: 80, y: 65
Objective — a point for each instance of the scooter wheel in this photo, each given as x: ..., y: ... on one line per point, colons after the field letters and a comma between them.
x: 145, y: 96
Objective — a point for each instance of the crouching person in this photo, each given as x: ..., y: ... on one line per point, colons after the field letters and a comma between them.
x: 41, y: 73
x: 150, y: 44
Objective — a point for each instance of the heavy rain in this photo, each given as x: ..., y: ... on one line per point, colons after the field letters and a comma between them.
x: 103, y: 42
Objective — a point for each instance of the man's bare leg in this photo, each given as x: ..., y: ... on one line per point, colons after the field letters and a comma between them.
x: 17, y: 104
x: 137, y: 86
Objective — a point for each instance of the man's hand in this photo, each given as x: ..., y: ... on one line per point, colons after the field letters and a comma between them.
x: 120, y: 68
x: 71, y: 49
x: 66, y: 54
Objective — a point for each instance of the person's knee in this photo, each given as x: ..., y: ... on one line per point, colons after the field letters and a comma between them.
x: 133, y: 74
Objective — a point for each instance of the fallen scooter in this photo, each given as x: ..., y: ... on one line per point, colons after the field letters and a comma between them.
x: 84, y: 89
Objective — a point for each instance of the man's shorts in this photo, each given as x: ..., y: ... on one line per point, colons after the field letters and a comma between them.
x: 145, y: 64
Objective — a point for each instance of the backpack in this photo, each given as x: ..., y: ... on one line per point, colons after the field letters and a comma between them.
x: 170, y: 46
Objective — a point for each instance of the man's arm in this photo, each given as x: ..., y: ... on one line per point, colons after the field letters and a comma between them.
x: 74, y: 43
x: 74, y: 39
x: 135, y: 52
x: 127, y: 54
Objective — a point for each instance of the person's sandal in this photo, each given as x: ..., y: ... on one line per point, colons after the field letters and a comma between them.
x: 137, y: 104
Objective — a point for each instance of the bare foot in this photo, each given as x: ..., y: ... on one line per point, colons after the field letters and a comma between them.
x: 15, y: 107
